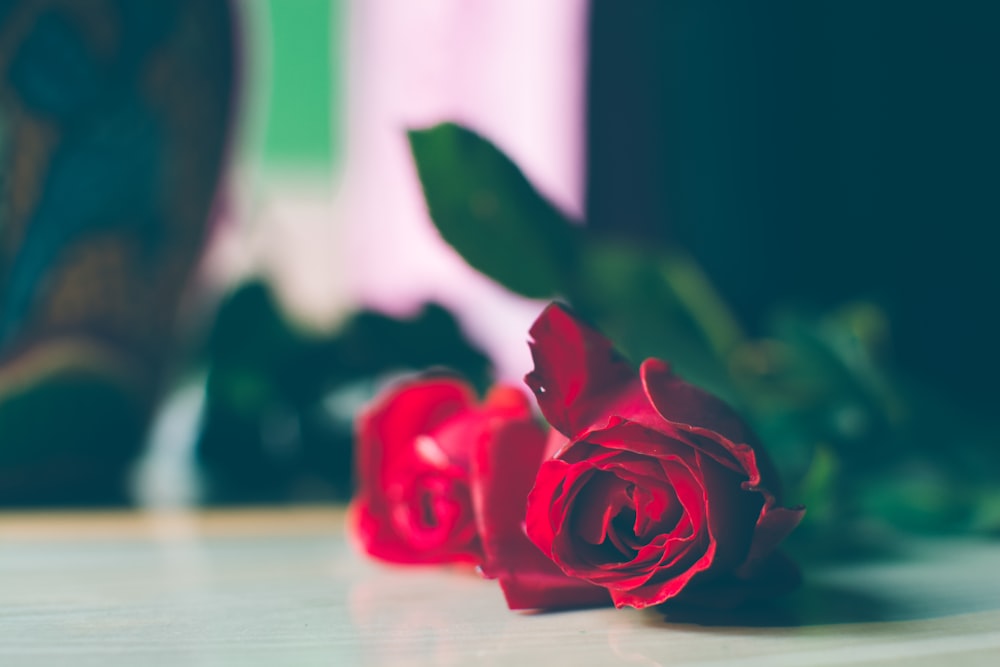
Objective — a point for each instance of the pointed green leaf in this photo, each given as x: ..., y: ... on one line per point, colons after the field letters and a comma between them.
x: 486, y: 209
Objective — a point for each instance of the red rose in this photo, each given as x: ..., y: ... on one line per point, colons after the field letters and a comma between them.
x: 415, y: 447
x: 658, y: 488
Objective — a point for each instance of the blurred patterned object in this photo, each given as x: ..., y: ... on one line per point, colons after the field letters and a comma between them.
x: 113, y: 118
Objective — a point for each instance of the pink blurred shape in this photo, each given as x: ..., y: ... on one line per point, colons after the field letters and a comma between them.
x: 512, y: 70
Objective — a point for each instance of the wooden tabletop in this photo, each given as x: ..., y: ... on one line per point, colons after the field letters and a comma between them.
x: 284, y: 587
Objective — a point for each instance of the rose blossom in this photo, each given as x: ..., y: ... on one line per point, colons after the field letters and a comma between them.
x: 656, y: 487
x: 414, y: 451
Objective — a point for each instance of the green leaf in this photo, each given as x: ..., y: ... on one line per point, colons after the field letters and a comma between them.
x: 486, y: 209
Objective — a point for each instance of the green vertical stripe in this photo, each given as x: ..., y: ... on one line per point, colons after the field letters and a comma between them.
x: 304, y: 82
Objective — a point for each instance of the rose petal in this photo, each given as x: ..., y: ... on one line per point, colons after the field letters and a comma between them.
x: 455, y: 436
x: 658, y: 511
x: 430, y: 453
x: 503, y: 474
x: 507, y: 401
x: 684, y: 404
x: 540, y: 584
x: 640, y: 439
x: 658, y: 592
x: 662, y: 559
x: 641, y: 470
x: 577, y: 371
x: 412, y: 409
x: 387, y: 430
x: 547, y: 486
x: 575, y: 480
x: 436, y: 518
x: 389, y: 465
x: 555, y: 444
x: 689, y: 490
x: 607, y: 496
x: 773, y: 526
x: 732, y: 512
x: 697, y: 412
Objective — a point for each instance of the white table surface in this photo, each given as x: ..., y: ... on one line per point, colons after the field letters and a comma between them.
x: 283, y: 587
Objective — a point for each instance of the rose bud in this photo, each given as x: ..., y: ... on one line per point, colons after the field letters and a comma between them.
x: 658, y: 487
x: 414, y: 451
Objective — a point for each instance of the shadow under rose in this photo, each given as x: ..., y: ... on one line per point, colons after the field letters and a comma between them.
x: 813, y: 604
x: 928, y: 578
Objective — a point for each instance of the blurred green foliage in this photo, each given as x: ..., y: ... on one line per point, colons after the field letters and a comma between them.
x: 280, y: 402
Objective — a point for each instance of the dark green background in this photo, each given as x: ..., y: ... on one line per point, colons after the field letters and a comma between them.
x: 812, y: 153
